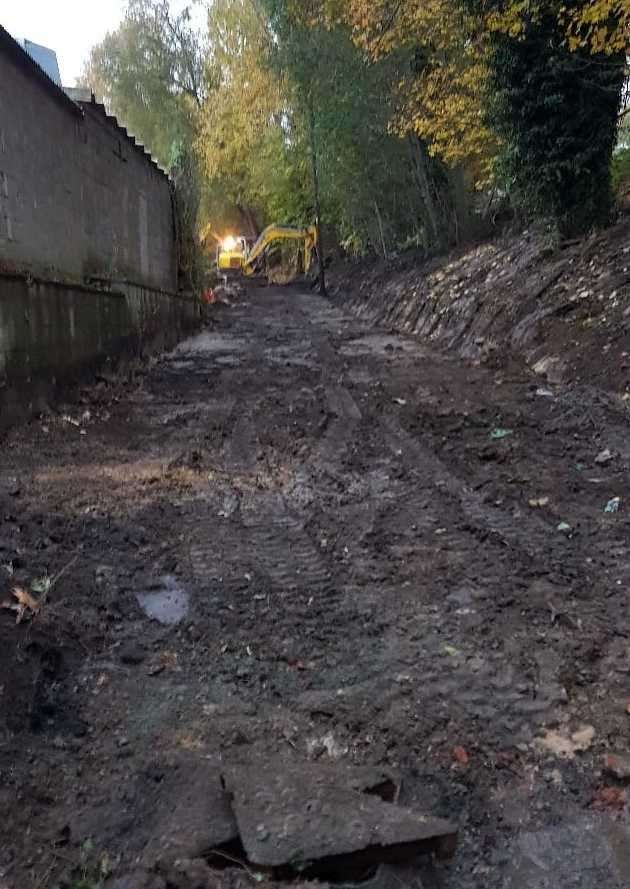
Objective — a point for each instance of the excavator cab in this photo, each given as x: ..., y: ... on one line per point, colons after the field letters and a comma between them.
x: 231, y: 254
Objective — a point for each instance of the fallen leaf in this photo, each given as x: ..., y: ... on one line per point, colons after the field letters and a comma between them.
x: 566, y: 746
x: 25, y: 605
x: 609, y: 798
x: 618, y: 766
x: 583, y: 738
x: 461, y: 756
x: 555, y: 743
x: 168, y: 658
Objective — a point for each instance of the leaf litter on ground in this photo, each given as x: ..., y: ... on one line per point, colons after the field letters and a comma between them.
x: 25, y: 605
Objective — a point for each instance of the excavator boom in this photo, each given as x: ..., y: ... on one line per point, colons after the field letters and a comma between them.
x: 281, y: 233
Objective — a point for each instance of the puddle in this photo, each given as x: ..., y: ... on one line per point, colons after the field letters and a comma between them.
x: 381, y: 344
x: 166, y: 601
x: 211, y: 344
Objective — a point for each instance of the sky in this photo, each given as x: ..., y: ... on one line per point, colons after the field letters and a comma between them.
x: 70, y: 27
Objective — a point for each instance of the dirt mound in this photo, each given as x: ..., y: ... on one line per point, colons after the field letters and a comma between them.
x: 561, y: 308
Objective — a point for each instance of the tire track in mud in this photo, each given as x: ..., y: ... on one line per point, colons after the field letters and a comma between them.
x: 527, y: 533
x: 263, y: 535
x: 341, y: 429
x: 240, y: 450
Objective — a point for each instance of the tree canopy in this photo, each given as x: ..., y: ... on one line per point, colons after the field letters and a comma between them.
x: 419, y: 114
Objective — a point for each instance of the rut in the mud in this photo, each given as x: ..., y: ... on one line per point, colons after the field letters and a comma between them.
x: 299, y: 540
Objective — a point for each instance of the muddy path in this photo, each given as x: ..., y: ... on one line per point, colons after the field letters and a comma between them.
x: 298, y: 538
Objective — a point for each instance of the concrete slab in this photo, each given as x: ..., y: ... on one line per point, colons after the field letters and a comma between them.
x: 323, y: 817
x: 192, y: 815
x: 589, y: 853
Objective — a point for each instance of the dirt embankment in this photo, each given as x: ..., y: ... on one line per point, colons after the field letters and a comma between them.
x: 565, y: 310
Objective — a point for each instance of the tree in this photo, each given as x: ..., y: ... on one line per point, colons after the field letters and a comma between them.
x: 377, y: 190
x: 186, y: 201
x: 251, y: 155
x: 526, y: 90
x: 554, y: 95
x: 151, y: 74
x: 439, y: 98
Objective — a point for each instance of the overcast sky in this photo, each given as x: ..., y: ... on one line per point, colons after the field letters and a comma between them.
x: 70, y: 27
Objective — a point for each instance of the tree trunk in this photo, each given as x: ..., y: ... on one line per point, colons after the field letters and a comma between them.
x: 316, y: 195
x: 249, y: 220
x: 419, y: 162
x: 381, y: 230
x: 461, y: 203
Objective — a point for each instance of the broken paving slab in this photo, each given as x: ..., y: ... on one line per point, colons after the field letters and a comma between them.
x: 313, y: 817
x: 192, y: 814
x: 176, y: 808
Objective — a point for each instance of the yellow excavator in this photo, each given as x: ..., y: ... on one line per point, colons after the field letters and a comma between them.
x: 277, y: 234
x: 234, y: 254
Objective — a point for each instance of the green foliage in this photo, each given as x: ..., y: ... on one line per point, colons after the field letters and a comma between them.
x: 367, y: 179
x: 151, y: 73
x: 400, y: 109
x: 251, y: 154
x: 555, y: 112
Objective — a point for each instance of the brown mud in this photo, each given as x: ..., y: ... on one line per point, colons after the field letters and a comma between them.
x: 300, y: 538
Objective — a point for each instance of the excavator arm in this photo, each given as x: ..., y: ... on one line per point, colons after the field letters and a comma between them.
x: 281, y: 233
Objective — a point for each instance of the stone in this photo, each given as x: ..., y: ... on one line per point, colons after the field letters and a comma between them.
x: 618, y: 766
x: 315, y: 819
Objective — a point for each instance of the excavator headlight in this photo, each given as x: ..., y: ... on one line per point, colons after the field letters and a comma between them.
x: 230, y: 243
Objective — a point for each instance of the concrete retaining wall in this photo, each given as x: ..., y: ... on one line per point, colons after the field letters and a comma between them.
x: 78, y: 197
x: 51, y: 333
